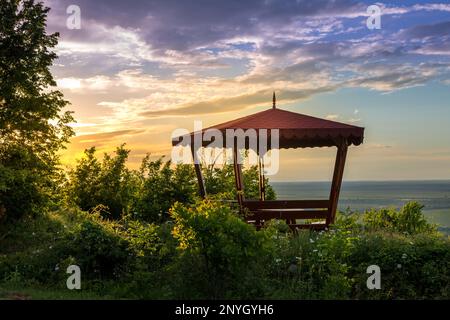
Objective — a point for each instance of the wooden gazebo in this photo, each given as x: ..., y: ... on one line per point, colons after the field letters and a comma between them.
x: 295, y: 131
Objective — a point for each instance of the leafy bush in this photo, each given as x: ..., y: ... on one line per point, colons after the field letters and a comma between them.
x: 149, y: 193
x: 220, y: 249
x: 98, y: 248
x: 220, y: 256
x: 220, y: 183
x: 160, y: 186
x: 23, y: 190
x: 409, y: 219
x: 411, y: 267
x: 307, y: 265
x: 109, y: 183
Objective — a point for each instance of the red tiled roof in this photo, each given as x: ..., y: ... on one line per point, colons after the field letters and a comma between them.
x: 296, y: 130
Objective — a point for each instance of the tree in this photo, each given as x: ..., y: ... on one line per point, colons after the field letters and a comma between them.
x: 109, y: 183
x: 33, y: 127
x: 160, y: 186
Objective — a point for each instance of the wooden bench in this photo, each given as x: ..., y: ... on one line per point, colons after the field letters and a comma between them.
x: 289, y: 210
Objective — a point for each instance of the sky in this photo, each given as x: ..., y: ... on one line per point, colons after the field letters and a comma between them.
x: 137, y: 70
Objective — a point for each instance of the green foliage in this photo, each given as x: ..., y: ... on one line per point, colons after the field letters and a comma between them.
x: 22, y: 187
x: 209, y: 252
x: 308, y: 265
x: 333, y: 264
x: 220, y: 183
x: 149, y: 193
x: 40, y: 249
x: 109, y: 183
x: 98, y: 248
x: 160, y: 186
x: 409, y: 219
x: 414, y: 267
x: 220, y: 247
x: 32, y: 127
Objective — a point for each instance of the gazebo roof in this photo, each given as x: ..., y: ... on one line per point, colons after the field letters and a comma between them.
x: 295, y: 130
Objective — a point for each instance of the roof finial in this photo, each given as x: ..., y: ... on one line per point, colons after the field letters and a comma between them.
x: 274, y: 100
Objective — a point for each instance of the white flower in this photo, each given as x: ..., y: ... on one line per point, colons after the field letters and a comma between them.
x: 57, y: 267
x: 399, y: 266
x: 404, y: 256
x: 311, y: 240
x: 277, y: 260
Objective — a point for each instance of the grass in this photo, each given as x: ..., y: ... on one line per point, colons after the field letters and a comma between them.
x: 18, y: 292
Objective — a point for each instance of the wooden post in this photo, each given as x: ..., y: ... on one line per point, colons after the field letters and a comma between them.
x: 238, y: 177
x: 261, y: 179
x: 337, y: 181
x: 198, y: 173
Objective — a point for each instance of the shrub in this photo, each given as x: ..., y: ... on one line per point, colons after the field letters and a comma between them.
x: 23, y: 188
x: 412, y: 267
x: 409, y: 219
x: 308, y: 265
x: 220, y: 183
x: 109, y: 183
x: 220, y: 249
x: 97, y: 246
x: 160, y: 186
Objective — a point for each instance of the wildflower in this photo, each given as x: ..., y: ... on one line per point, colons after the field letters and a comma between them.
x: 277, y: 260
x: 311, y: 240
x: 399, y: 266
x: 315, y: 250
x: 404, y: 256
x: 57, y: 267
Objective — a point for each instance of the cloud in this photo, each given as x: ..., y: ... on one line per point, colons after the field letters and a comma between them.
x: 237, y: 103
x: 429, y: 30
x: 137, y: 61
x: 105, y: 136
x: 389, y: 77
